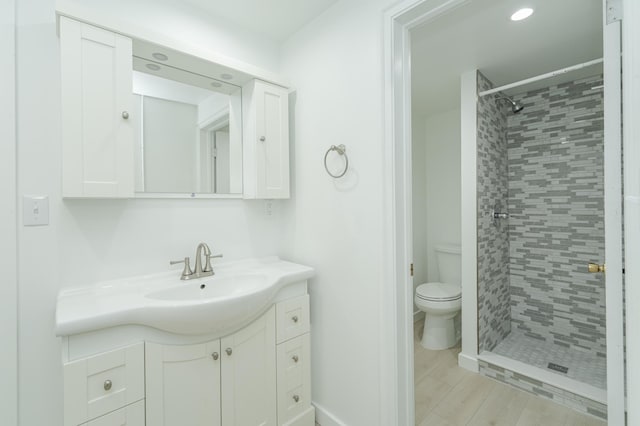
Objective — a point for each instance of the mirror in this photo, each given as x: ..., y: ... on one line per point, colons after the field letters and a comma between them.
x: 188, y: 132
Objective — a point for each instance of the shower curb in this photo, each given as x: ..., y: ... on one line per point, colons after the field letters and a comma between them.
x: 536, y: 387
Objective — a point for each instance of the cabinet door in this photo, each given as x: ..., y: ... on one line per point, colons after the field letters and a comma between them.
x: 249, y: 374
x: 272, y: 134
x: 97, y: 139
x: 183, y: 384
x: 265, y: 149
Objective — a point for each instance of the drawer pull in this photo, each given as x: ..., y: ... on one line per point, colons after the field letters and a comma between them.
x: 295, y: 358
x: 214, y: 356
x: 294, y: 318
x: 296, y: 398
x: 107, y: 385
x: 229, y: 351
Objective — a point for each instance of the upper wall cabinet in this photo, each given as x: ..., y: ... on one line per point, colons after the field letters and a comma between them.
x: 145, y: 119
x: 97, y: 137
x: 266, y: 153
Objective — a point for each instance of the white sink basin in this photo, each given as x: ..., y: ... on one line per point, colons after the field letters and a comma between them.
x: 210, y: 288
x: 238, y: 293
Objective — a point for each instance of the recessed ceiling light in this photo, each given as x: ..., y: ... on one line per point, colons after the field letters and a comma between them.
x: 153, y: 67
x: 216, y: 84
x: 521, y: 14
x: 160, y: 56
x: 226, y: 76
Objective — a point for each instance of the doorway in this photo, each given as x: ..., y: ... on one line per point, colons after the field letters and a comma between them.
x: 411, y: 18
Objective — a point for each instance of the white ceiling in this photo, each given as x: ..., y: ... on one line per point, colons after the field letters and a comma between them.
x: 481, y: 35
x: 275, y: 19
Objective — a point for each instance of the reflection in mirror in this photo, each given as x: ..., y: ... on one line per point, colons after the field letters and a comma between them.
x: 188, y: 136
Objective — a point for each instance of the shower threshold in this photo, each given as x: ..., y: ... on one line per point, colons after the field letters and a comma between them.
x: 541, y: 380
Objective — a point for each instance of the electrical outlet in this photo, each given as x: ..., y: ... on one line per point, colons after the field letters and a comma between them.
x: 35, y: 210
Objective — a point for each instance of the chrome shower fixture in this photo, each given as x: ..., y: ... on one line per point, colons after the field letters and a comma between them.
x: 515, y: 106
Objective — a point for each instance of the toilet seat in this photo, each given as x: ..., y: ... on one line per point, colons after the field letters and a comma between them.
x: 438, y: 292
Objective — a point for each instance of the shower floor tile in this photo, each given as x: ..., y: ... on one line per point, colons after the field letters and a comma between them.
x: 583, y: 366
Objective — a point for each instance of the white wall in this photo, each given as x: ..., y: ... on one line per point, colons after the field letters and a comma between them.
x: 92, y: 240
x: 335, y: 66
x: 8, y: 282
x: 436, y: 190
x: 443, y: 184
x: 419, y: 197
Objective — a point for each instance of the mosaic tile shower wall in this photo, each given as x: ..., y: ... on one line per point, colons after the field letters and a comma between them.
x: 493, y: 238
x: 556, y: 223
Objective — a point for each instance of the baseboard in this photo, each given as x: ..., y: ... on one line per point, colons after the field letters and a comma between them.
x: 325, y: 418
x: 468, y: 362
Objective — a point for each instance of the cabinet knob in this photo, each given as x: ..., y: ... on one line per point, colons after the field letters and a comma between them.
x: 107, y: 385
x: 125, y: 115
x: 262, y: 139
x: 228, y: 351
x: 294, y: 318
x: 215, y: 356
x: 296, y: 398
x: 295, y: 358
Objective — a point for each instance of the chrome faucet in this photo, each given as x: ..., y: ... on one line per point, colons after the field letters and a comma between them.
x: 199, y: 271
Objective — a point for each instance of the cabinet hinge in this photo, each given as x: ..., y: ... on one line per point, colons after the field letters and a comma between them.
x: 614, y: 11
x: 411, y: 269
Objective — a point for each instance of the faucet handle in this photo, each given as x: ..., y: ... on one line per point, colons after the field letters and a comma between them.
x: 186, y: 272
x: 207, y: 265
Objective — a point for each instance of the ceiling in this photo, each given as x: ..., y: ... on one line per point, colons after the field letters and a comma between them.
x: 275, y: 19
x: 481, y: 36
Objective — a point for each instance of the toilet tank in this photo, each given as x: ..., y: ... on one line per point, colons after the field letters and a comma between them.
x: 449, y: 263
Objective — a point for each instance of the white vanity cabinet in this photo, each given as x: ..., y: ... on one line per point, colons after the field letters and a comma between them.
x: 266, y: 140
x: 232, y: 349
x: 97, y: 137
x: 230, y: 381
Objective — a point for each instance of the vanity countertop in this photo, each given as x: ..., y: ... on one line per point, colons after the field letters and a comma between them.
x: 236, y: 294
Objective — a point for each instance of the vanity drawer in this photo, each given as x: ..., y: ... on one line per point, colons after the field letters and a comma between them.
x: 293, y: 378
x: 292, y: 318
x: 103, y: 383
x: 131, y: 415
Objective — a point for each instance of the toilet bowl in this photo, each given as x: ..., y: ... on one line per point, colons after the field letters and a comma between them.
x: 441, y: 301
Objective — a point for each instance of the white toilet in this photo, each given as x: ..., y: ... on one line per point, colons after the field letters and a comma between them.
x: 441, y: 301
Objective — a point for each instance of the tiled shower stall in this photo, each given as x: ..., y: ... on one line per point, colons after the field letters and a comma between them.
x: 537, y: 304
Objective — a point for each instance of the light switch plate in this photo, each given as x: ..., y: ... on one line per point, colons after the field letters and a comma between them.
x: 35, y: 210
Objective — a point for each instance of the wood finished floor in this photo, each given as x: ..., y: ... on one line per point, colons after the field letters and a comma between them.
x: 447, y: 395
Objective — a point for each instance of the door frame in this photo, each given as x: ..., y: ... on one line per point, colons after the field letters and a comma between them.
x: 396, y: 307
x: 613, y: 220
x: 631, y: 146
x: 396, y: 294
x: 8, y: 219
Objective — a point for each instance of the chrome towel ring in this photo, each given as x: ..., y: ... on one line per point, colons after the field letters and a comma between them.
x: 342, y: 150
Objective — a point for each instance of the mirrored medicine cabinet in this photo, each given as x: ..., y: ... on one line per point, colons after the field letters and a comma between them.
x: 187, y: 134
x: 142, y: 120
